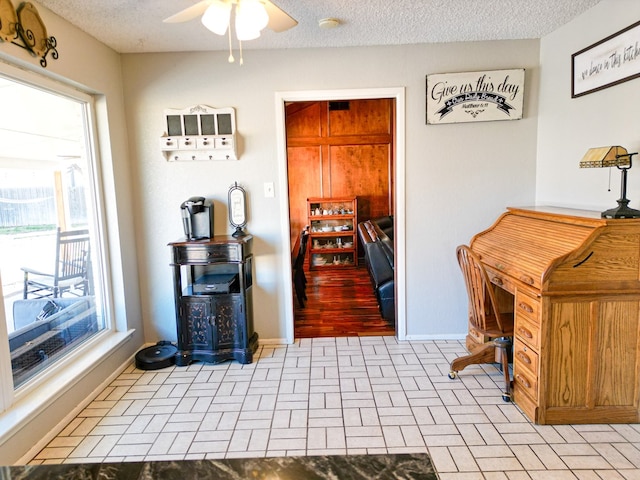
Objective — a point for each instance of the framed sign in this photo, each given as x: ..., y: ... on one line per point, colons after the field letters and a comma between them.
x: 475, y: 96
x: 610, y: 61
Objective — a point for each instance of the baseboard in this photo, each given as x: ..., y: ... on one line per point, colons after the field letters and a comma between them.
x: 432, y: 338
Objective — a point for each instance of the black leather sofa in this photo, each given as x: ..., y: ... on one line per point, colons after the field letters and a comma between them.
x: 376, y: 236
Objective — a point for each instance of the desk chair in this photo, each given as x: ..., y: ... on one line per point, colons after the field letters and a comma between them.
x: 486, y: 318
x: 299, y: 278
x: 70, y: 269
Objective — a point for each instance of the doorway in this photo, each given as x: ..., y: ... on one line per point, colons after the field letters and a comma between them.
x: 395, y: 202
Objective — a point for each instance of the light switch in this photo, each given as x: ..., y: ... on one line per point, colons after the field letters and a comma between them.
x: 269, y: 190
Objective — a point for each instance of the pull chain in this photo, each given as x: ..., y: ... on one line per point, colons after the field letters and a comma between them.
x: 231, y: 59
x: 609, y: 189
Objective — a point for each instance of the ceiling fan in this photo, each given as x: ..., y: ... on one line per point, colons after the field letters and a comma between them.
x: 217, y: 15
x: 251, y: 16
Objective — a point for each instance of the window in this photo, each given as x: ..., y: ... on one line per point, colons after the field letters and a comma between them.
x: 51, y: 262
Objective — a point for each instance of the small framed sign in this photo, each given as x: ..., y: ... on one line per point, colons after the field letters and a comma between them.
x: 610, y: 61
x: 475, y: 96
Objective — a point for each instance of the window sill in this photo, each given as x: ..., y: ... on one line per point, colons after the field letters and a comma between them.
x: 34, y: 397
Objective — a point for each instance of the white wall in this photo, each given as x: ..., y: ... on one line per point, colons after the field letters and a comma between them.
x: 459, y: 178
x: 570, y: 126
x: 94, y: 68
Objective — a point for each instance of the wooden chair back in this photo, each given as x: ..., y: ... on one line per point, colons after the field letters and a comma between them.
x: 300, y: 250
x: 72, y: 254
x: 483, y: 307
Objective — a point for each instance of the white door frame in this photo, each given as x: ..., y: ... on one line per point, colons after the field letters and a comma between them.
x: 398, y: 94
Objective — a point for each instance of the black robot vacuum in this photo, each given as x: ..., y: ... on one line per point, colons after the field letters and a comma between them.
x: 160, y: 355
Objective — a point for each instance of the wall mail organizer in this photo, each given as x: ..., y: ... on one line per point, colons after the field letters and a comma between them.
x: 24, y: 27
x: 199, y: 133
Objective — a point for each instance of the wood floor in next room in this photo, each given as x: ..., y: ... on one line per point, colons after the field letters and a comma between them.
x: 340, y: 302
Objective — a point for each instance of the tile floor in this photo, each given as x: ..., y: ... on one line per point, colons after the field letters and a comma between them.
x: 340, y: 396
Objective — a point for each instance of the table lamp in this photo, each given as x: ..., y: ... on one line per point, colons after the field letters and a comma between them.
x: 614, y: 156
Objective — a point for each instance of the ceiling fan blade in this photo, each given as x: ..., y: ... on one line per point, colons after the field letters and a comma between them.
x: 189, y: 13
x: 279, y: 20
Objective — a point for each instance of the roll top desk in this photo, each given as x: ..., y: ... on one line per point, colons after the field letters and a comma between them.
x: 573, y: 280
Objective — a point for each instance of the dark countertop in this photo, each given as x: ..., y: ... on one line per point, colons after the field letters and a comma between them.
x: 349, y: 467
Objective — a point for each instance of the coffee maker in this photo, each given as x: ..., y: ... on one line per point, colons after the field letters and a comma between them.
x: 197, y: 218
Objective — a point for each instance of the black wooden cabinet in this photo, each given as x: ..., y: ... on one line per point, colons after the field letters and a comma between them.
x: 213, y: 281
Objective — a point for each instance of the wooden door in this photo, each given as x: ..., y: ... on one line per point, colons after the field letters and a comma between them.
x: 340, y: 149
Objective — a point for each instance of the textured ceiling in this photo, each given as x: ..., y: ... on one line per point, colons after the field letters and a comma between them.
x: 136, y: 25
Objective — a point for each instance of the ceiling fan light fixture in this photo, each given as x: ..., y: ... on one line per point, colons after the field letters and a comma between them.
x: 251, y: 18
x: 216, y: 17
x: 246, y: 34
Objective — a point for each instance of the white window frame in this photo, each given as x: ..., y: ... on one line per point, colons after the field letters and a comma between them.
x: 55, y: 377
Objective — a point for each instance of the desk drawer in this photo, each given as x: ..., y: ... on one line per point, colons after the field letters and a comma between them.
x: 528, y: 332
x: 527, y: 306
x: 525, y: 357
x: 525, y: 381
x: 526, y: 403
x: 207, y: 254
x: 477, y: 337
x: 500, y: 280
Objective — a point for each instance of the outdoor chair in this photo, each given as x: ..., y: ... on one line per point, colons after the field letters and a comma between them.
x: 70, y: 272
